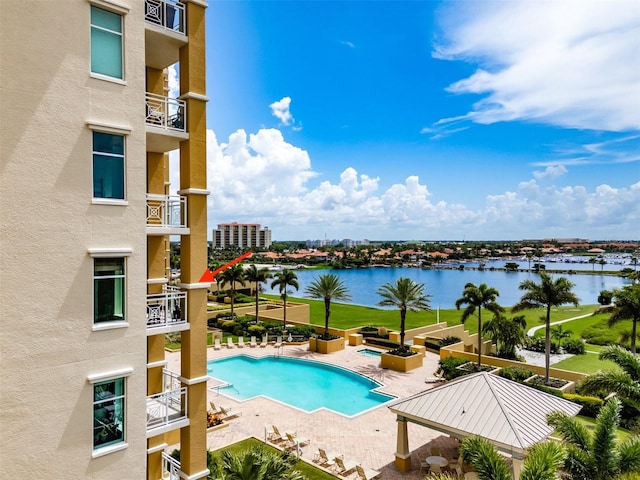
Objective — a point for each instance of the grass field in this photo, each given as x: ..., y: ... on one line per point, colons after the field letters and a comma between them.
x: 311, y: 472
x: 588, y: 363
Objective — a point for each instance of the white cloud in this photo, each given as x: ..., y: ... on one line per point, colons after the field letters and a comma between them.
x: 174, y: 81
x: 348, y: 44
x: 551, y: 172
x: 280, y: 110
x: 262, y: 178
x: 568, y: 63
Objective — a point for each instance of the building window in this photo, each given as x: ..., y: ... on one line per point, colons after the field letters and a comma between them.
x: 109, y: 289
x: 108, y: 166
x: 108, y: 412
x: 106, y: 43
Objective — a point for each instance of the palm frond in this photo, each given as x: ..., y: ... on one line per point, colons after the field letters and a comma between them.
x: 543, y: 461
x: 629, y: 452
x: 571, y: 431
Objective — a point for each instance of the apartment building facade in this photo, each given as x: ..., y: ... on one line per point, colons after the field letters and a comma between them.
x: 242, y: 235
x: 87, y: 124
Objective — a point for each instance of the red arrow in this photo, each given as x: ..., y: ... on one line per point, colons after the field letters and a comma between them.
x: 209, y: 276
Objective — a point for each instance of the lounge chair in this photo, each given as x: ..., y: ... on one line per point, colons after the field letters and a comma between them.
x: 324, y: 459
x: 365, y: 474
x: 226, y: 411
x: 253, y: 343
x: 265, y: 341
x: 278, y: 343
x: 216, y: 344
x: 230, y: 343
x: 275, y: 435
x: 343, y: 467
x: 240, y: 342
x: 293, y: 439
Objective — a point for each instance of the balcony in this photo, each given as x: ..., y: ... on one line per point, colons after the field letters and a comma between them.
x: 167, y: 410
x: 166, y: 215
x: 166, y: 122
x: 167, y: 311
x: 170, y: 467
x: 165, y: 32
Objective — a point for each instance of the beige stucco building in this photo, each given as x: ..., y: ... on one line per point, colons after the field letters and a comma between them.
x: 87, y: 124
x: 243, y: 235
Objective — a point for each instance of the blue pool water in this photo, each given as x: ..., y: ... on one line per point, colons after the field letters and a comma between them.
x: 367, y: 352
x: 304, y: 384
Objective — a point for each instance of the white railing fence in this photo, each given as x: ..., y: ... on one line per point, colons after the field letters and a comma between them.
x: 166, y: 112
x: 166, y: 211
x: 166, y: 407
x: 170, y: 467
x: 167, y: 308
x: 167, y: 14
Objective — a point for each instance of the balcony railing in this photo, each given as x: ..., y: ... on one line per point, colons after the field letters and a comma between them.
x: 170, y: 467
x: 166, y: 14
x: 166, y: 408
x: 167, y: 308
x: 166, y: 211
x: 166, y: 112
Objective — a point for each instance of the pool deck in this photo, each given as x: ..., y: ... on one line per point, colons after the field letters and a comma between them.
x: 369, y: 438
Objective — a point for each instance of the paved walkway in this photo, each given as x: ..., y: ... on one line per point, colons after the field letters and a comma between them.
x: 369, y: 438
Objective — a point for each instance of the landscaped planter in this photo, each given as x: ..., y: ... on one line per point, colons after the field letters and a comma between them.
x: 217, y: 427
x: 326, y: 346
x: 566, y: 387
x: 400, y: 364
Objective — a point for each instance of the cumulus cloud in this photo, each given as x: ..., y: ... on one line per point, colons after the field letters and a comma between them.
x: 565, y: 63
x: 348, y: 44
x: 551, y: 172
x: 262, y: 178
x: 280, y: 110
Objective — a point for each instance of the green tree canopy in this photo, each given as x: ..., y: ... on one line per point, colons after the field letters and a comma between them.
x: 328, y: 287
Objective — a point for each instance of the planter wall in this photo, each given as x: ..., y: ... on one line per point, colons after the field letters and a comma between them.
x: 400, y: 364
x: 326, y: 346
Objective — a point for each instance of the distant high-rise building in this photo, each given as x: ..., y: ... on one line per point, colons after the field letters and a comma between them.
x: 242, y: 235
x: 87, y: 124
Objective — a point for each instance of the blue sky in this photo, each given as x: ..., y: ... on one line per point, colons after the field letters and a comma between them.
x: 425, y: 120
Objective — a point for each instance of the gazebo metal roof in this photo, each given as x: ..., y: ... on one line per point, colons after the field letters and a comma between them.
x: 510, y: 415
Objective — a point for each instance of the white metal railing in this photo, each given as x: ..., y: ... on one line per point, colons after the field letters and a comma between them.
x: 166, y: 408
x: 170, y: 467
x: 167, y: 14
x: 167, y: 308
x: 166, y: 211
x: 166, y: 112
x: 171, y: 380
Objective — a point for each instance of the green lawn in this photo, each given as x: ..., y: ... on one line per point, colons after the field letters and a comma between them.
x: 590, y: 423
x: 311, y: 472
x: 588, y: 363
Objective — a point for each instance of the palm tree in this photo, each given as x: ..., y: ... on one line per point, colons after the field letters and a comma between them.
x: 506, y: 333
x: 542, y: 462
x: 328, y: 287
x: 477, y: 297
x: 558, y: 333
x: 258, y: 463
x: 627, y: 307
x: 548, y: 293
x: 285, y: 278
x: 257, y: 276
x: 404, y: 295
x: 597, y: 456
x: 625, y: 383
x: 230, y: 276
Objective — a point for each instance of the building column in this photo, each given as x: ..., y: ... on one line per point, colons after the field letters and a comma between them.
x: 516, y: 461
x: 403, y: 455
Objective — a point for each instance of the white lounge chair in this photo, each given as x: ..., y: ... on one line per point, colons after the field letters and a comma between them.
x: 343, y: 467
x: 292, y: 440
x: 324, y: 459
x: 265, y: 341
x: 274, y: 435
x: 240, y: 342
x: 216, y: 344
x: 365, y: 474
x: 253, y: 342
x: 278, y: 343
x: 230, y: 343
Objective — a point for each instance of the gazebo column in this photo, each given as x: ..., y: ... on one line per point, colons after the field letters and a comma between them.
x: 516, y: 461
x: 403, y: 455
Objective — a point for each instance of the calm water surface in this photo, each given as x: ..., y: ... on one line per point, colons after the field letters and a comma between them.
x: 446, y: 286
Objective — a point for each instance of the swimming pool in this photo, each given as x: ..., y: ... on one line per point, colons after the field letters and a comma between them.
x: 303, y: 384
x: 368, y: 352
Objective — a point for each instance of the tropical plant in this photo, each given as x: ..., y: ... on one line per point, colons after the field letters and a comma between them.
x: 404, y: 295
x: 597, y: 455
x: 258, y: 463
x: 559, y: 334
x: 257, y: 276
x: 231, y: 276
x: 627, y: 307
x: 605, y: 297
x: 476, y: 298
x: 506, y: 333
x: 625, y: 383
x: 548, y: 293
x: 328, y: 287
x: 542, y: 462
x: 283, y: 279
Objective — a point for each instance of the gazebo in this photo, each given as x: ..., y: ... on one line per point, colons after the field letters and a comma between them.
x: 510, y: 415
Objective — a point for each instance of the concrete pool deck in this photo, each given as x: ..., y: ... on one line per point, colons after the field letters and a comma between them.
x: 369, y: 438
